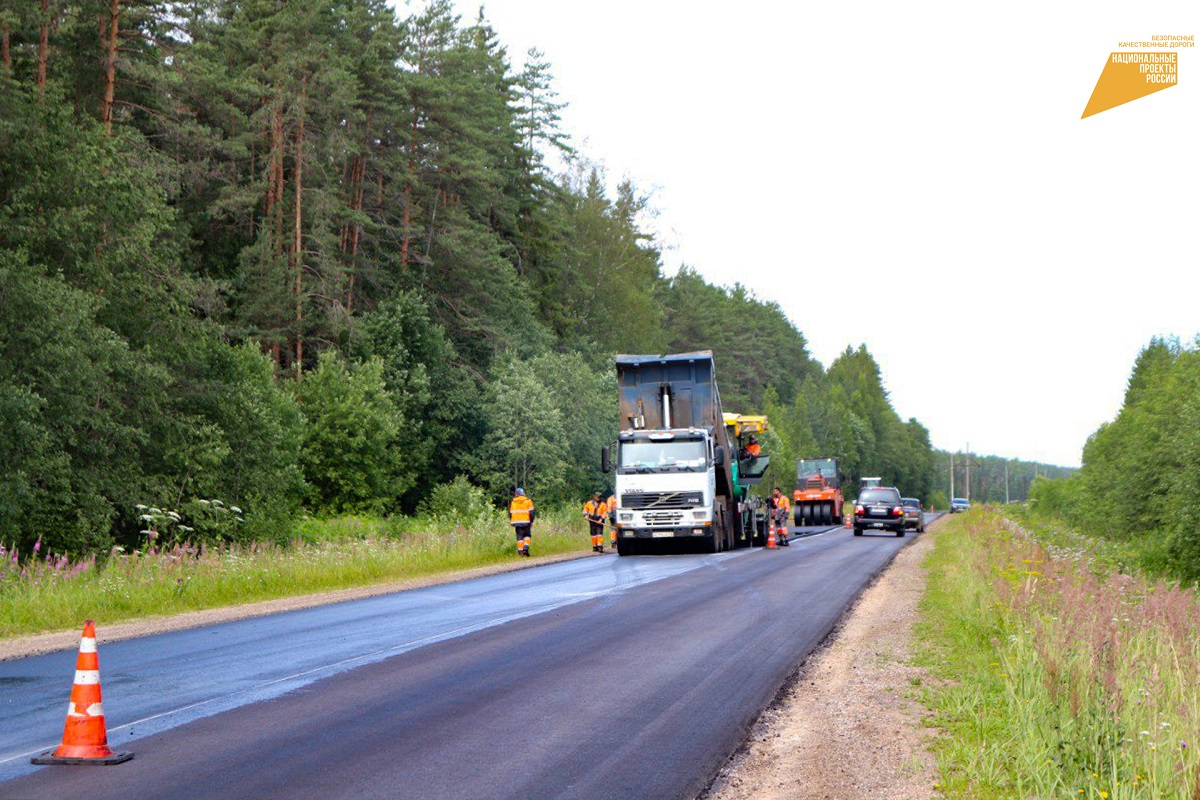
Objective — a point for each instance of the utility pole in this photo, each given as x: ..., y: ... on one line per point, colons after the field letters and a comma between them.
x: 1006, y: 500
x: 952, y: 477
x: 968, y: 472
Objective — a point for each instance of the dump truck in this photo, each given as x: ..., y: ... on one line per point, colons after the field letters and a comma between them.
x: 818, y: 497
x: 677, y: 475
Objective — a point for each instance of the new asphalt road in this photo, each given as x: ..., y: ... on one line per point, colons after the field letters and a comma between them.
x: 606, y: 677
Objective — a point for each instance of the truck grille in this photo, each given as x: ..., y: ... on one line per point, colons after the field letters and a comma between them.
x: 661, y: 501
x: 664, y: 519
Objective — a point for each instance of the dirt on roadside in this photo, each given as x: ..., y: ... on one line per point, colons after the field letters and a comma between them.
x: 848, y: 727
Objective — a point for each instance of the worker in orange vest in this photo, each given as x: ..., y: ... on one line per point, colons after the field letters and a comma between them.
x: 612, y: 519
x: 595, y: 511
x: 520, y: 515
x: 780, y: 506
x: 752, y: 449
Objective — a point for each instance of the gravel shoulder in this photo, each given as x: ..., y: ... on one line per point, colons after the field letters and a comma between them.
x: 848, y: 727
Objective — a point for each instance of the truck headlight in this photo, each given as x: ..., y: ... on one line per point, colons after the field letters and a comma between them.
x: 700, y: 513
x: 625, y: 517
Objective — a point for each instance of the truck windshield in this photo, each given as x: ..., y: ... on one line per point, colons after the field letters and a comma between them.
x: 681, y: 454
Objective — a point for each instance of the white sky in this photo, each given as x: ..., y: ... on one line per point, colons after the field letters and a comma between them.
x: 924, y: 161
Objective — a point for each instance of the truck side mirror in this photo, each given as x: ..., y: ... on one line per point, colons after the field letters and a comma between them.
x: 605, y: 459
x: 718, y: 456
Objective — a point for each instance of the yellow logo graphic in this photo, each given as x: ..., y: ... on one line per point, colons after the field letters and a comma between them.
x: 1128, y: 76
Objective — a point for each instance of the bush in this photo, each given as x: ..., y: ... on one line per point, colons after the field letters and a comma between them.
x: 1056, y: 497
x: 458, y: 499
x: 352, y: 455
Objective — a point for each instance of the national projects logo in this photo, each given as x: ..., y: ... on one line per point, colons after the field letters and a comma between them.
x: 1129, y: 74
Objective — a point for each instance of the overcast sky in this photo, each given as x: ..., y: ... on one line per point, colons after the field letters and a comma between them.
x: 912, y: 176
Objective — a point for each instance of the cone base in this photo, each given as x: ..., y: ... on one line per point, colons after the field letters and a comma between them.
x: 48, y: 758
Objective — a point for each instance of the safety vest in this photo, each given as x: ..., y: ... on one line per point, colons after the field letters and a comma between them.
x: 782, y: 502
x: 519, y: 510
x: 754, y: 450
x: 612, y: 503
x: 593, y: 509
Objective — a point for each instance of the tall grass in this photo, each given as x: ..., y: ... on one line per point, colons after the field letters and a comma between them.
x: 51, y: 592
x: 1060, y: 676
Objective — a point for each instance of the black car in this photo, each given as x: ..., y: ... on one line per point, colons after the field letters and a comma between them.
x: 879, y: 508
x: 914, y: 515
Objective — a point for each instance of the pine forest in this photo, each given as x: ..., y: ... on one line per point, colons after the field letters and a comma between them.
x: 322, y: 257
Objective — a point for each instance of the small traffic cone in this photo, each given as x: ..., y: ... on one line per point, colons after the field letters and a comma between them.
x: 848, y: 524
x: 771, y: 543
x: 85, y: 737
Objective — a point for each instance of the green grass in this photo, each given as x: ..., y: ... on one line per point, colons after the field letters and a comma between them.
x: 1053, y: 674
x: 51, y: 593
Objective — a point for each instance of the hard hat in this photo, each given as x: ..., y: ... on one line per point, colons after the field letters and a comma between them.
x: 521, y: 492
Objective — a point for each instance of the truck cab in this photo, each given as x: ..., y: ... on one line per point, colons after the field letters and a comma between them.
x: 666, y: 484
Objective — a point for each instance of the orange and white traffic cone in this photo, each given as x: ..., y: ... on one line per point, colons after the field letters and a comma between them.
x: 771, y: 543
x: 85, y: 737
x: 848, y: 523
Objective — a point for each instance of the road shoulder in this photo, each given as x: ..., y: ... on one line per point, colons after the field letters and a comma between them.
x: 848, y: 726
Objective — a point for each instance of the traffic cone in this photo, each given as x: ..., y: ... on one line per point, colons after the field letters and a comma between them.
x: 771, y: 543
x: 848, y: 525
x: 85, y: 738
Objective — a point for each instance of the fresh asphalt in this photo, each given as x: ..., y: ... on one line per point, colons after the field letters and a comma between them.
x: 605, y: 677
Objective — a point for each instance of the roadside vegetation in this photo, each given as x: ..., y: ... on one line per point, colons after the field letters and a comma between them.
x: 49, y: 591
x: 1056, y: 674
x: 1139, y: 487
